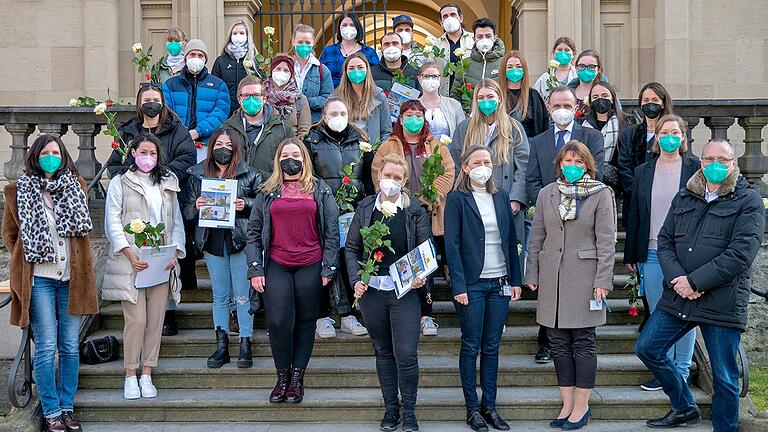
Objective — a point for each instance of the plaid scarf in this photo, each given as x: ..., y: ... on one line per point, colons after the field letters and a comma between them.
x: 282, y: 99
x: 572, y: 194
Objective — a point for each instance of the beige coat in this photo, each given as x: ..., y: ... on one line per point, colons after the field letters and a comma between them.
x: 119, y: 276
x: 443, y: 183
x: 568, y: 260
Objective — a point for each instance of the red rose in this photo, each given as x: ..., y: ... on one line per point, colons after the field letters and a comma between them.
x: 115, y: 145
x: 147, y: 76
x: 198, y: 144
x: 633, y: 311
x: 346, y: 180
x: 378, y: 256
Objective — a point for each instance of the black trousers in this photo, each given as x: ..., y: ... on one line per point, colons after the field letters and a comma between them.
x: 393, y: 326
x: 292, y: 298
x: 574, y: 355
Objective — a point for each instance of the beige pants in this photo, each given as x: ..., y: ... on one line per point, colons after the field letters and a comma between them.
x: 144, y: 327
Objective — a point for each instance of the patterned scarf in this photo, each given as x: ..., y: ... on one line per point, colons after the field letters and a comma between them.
x: 69, y: 207
x: 282, y: 99
x: 572, y: 194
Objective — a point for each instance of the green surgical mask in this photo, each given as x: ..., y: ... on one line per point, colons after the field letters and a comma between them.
x: 174, y: 48
x: 587, y: 75
x: 252, y: 105
x: 572, y: 173
x: 413, y: 125
x: 670, y: 143
x: 563, y: 57
x: 49, y: 163
x: 303, y: 50
x: 488, y: 106
x: 357, y: 76
x: 715, y: 172
x: 515, y: 75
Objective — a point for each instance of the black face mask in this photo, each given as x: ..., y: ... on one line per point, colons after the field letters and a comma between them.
x: 602, y: 105
x: 222, y: 156
x: 151, y: 109
x: 652, y: 110
x: 290, y: 166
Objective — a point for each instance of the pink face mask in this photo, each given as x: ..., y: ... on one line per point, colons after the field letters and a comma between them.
x: 146, y: 163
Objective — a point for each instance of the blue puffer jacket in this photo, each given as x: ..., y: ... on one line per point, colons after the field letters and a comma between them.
x: 211, y: 100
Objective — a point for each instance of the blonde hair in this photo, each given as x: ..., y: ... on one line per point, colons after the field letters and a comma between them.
x: 477, y: 129
x: 307, y: 180
x: 358, y: 109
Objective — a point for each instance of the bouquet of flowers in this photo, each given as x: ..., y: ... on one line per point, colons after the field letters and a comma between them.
x: 144, y: 234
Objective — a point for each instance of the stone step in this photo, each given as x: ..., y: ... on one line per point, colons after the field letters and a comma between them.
x: 424, y: 426
x: 440, y: 291
x: 522, y: 312
x: 355, y: 372
x: 357, y: 405
x: 518, y: 340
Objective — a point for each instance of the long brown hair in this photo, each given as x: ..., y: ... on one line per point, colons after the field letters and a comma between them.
x: 211, y: 167
x: 525, y: 90
x: 463, y: 182
x: 358, y: 109
x: 399, y: 130
x: 165, y: 112
x: 477, y: 129
x: 307, y: 180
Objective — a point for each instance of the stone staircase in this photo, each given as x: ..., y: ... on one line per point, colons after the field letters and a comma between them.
x: 342, y: 386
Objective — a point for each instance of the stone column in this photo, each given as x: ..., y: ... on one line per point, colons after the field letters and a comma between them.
x: 19, y: 135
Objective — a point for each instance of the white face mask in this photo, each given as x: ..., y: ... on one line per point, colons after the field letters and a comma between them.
x: 389, y: 187
x: 281, y: 78
x: 338, y: 123
x: 481, y: 174
x: 430, y: 85
x: 195, y: 65
x: 562, y: 116
x: 484, y: 45
x: 405, y: 36
x: 349, y: 33
x: 239, y: 39
x: 393, y: 54
x: 451, y: 25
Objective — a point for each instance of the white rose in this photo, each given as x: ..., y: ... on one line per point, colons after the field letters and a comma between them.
x: 136, y: 48
x: 458, y: 52
x: 247, y: 64
x: 365, y: 147
x: 269, y: 31
x: 73, y: 102
x: 100, y: 109
x: 137, y: 226
x: 445, y: 140
x: 388, y: 209
x: 554, y: 63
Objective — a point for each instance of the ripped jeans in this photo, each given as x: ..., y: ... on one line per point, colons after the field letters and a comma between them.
x: 229, y: 276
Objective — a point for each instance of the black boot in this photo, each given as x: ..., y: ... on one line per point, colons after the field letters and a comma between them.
x: 391, y: 419
x: 221, y: 356
x: 245, y: 359
x: 169, y: 324
x: 409, y: 421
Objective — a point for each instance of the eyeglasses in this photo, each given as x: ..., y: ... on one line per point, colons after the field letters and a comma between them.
x: 721, y: 160
x: 583, y: 66
x: 151, y: 84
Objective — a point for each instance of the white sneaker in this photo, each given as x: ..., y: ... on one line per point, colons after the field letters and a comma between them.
x: 350, y: 324
x: 148, y: 389
x: 131, y: 388
x: 324, y: 328
x: 428, y: 326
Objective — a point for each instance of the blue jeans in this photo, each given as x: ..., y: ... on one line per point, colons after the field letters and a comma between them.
x: 661, y: 332
x: 681, y: 353
x: 229, y: 274
x: 53, y: 328
x: 482, y: 322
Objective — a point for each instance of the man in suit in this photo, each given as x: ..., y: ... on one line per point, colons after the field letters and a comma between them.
x: 561, y: 105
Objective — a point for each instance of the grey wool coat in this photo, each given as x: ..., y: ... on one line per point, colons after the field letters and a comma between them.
x: 568, y: 260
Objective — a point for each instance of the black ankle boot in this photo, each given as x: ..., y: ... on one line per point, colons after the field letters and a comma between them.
x: 245, y: 359
x: 410, y: 424
x: 169, y: 324
x: 221, y: 356
x: 391, y: 419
